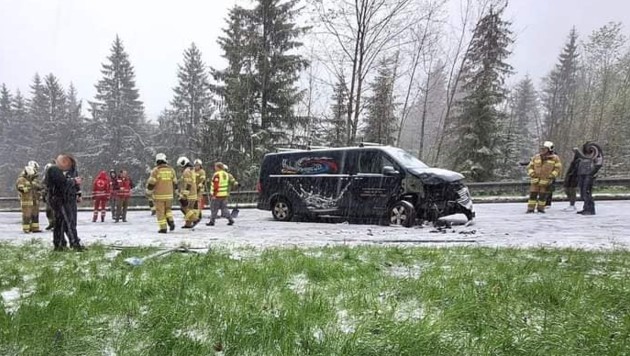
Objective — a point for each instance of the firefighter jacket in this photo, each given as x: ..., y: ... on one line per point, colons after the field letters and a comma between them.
x: 542, y: 169
x: 101, y: 186
x: 124, y: 187
x: 36, y: 188
x: 222, y: 181
x: 188, y: 188
x: 200, y: 178
x: 24, y: 188
x: 162, y: 183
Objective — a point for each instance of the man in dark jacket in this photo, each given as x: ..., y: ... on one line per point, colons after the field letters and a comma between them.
x: 591, y: 159
x: 571, y: 183
x: 63, y: 185
x: 113, y: 188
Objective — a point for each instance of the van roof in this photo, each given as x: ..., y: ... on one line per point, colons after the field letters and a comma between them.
x: 350, y: 148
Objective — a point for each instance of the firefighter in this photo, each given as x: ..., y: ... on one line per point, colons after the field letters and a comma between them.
x: 542, y: 169
x: 221, y: 182
x: 36, y: 191
x: 100, y: 194
x: 160, y: 187
x: 125, y: 184
x: 23, y: 186
x: 200, y: 178
x: 188, y: 193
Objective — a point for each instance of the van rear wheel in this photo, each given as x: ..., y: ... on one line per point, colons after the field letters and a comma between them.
x: 402, y: 213
x: 281, y: 210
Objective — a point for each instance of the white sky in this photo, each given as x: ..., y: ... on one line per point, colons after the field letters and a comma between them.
x: 71, y: 38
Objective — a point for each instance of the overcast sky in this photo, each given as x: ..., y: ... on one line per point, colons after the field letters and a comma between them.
x: 71, y: 38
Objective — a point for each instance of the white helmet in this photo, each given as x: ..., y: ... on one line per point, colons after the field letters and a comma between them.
x: 548, y: 144
x: 33, y: 164
x: 29, y: 171
x: 183, y: 161
x: 48, y: 165
x: 225, y: 167
x: 160, y: 157
x: 198, y: 162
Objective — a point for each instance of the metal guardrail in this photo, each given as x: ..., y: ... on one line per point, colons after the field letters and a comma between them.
x: 482, y: 192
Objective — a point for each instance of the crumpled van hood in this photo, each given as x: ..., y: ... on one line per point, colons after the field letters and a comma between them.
x: 436, y: 175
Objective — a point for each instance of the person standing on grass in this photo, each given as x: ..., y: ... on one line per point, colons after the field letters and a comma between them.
x: 63, y: 185
x: 542, y: 169
x: 591, y: 159
x: 571, y: 183
x: 113, y: 188
x: 100, y: 194
x: 160, y: 187
x: 124, y: 194
x: 221, y: 182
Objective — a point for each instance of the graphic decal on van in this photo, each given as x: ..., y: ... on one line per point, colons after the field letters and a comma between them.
x: 313, y: 199
x: 310, y: 165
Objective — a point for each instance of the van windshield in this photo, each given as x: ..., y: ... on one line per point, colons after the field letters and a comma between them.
x: 405, y: 158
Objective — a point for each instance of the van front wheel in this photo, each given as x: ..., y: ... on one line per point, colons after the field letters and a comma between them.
x: 402, y: 213
x: 281, y: 210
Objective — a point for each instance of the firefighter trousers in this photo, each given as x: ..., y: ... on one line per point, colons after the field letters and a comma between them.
x: 164, y: 213
x: 537, y: 197
x: 27, y: 215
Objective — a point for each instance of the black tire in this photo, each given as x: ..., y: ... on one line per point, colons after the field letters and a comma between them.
x: 281, y: 209
x: 402, y: 213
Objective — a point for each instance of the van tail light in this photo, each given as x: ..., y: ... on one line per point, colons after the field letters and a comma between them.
x: 259, y: 187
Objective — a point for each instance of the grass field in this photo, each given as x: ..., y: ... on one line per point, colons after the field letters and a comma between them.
x: 327, y: 301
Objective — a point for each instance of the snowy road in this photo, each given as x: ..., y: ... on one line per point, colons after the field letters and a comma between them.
x: 496, y: 225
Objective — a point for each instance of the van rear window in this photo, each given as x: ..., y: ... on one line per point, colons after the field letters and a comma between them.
x: 310, y: 165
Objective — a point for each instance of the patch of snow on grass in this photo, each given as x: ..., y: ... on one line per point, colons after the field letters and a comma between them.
x: 411, y: 272
x: 11, y: 299
x: 347, y: 324
x: 195, y: 334
x: 111, y: 255
x: 298, y: 283
x: 318, y: 334
x: 410, y: 310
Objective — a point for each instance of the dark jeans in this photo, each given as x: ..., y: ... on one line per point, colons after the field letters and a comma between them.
x: 65, y: 222
x: 585, y: 183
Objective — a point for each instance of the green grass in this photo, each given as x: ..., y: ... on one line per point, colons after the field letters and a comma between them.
x: 328, y: 301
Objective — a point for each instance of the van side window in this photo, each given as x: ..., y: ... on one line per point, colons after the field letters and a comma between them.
x: 370, y: 162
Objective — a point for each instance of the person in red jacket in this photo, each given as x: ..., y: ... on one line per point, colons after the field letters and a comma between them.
x: 124, y: 193
x: 100, y: 194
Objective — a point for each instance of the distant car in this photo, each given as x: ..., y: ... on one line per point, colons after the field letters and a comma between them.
x: 372, y: 182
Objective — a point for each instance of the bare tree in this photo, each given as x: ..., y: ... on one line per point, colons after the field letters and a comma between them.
x: 363, y: 30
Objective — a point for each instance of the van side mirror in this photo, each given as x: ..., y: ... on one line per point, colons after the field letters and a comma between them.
x: 390, y: 171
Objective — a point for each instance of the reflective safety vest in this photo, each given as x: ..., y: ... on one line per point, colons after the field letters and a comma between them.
x: 221, y: 184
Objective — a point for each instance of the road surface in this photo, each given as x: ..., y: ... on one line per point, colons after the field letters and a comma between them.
x: 496, y: 225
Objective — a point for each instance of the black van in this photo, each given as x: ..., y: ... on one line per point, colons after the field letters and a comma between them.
x: 374, y: 182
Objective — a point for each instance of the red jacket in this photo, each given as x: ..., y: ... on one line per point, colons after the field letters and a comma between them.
x: 124, y: 187
x: 100, y: 187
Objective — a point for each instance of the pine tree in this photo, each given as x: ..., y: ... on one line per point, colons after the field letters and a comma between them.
x: 191, y: 101
x: 381, y: 121
x: 559, y: 97
x: 119, y: 114
x: 336, y: 125
x: 39, y: 112
x: 73, y: 125
x: 277, y: 65
x: 53, y: 131
x: 485, y: 70
x: 5, y: 109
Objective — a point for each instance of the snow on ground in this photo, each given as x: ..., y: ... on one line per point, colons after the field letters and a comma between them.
x: 504, y: 225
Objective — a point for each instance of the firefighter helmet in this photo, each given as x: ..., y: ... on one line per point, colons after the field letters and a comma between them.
x: 198, y: 162
x: 29, y: 171
x: 183, y: 161
x: 160, y: 157
x: 548, y: 144
x: 33, y: 164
